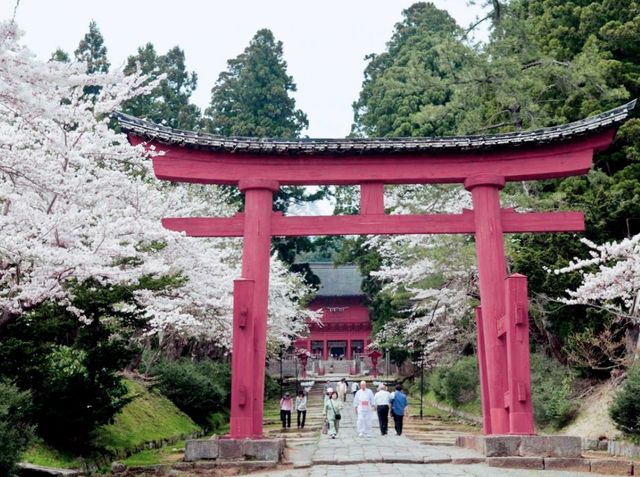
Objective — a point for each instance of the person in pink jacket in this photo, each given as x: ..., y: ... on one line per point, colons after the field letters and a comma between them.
x: 286, y: 405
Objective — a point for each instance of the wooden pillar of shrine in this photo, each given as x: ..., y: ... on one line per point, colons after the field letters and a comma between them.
x: 492, y: 271
x: 256, y: 255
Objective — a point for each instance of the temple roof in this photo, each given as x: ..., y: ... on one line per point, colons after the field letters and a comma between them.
x: 344, y: 280
x: 353, y: 146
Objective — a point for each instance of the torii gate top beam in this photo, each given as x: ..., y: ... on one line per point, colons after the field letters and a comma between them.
x: 539, y: 154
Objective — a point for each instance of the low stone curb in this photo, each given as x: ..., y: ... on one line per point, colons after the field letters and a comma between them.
x: 623, y: 449
x: 234, y: 449
x: 523, y: 446
x: 31, y: 470
x: 542, y: 452
x: 437, y: 460
x: 534, y: 463
x: 568, y: 464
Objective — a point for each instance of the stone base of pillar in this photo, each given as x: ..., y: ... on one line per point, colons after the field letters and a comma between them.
x: 227, y: 449
x: 523, y: 446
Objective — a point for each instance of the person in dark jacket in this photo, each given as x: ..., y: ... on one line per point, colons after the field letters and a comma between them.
x: 398, y: 404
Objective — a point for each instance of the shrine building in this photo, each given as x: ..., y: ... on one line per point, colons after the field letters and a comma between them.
x: 345, y: 330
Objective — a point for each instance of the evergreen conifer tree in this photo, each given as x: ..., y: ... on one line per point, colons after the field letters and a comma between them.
x: 61, y: 56
x: 252, y: 98
x: 407, y: 90
x: 168, y: 103
x: 93, y: 51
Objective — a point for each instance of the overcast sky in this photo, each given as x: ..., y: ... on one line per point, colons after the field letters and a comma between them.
x: 324, y: 41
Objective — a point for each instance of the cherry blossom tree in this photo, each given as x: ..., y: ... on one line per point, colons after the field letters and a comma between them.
x: 436, y: 271
x: 78, y: 203
x: 610, y: 280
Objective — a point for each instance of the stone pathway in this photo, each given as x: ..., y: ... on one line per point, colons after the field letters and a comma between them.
x: 348, y: 448
x: 351, y: 456
x: 416, y: 470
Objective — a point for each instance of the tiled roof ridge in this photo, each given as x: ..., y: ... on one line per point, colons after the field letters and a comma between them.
x: 354, y: 146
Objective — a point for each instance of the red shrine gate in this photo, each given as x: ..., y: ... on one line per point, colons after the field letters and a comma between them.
x: 482, y: 163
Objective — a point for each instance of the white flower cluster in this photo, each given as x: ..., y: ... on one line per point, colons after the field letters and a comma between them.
x: 78, y: 202
x: 610, y: 277
x: 438, y: 271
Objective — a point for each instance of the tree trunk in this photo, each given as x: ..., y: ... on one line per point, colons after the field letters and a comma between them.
x: 632, y: 340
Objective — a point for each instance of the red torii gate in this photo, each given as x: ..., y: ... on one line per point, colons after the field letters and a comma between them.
x: 482, y: 163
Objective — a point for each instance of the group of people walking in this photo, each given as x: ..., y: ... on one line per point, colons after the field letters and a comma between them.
x: 365, y: 403
x: 383, y: 402
x: 286, y: 406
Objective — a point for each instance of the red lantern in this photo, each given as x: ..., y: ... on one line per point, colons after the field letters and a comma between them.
x: 303, y: 356
x: 375, y: 355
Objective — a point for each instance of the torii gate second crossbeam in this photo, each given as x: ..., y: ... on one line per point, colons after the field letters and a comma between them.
x: 483, y: 164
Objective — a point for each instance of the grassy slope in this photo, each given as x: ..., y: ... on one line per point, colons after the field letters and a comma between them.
x: 149, y: 417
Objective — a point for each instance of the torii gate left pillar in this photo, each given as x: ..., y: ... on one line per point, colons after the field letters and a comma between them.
x: 251, y: 297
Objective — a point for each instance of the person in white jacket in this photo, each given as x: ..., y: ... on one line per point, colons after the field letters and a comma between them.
x: 363, y: 404
x: 342, y: 390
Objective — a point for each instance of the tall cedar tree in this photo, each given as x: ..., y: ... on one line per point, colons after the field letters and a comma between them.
x: 407, y: 90
x: 93, y: 52
x: 252, y: 98
x: 168, y: 103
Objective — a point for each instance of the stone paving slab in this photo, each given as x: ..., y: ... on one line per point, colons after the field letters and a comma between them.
x: 348, y: 448
x: 417, y: 470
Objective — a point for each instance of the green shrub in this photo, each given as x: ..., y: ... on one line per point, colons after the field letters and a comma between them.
x: 552, y: 389
x: 198, y: 388
x: 457, y: 384
x: 271, y: 387
x: 70, y: 368
x: 625, y: 409
x: 15, y: 431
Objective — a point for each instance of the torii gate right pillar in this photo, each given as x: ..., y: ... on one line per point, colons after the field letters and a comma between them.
x: 492, y: 271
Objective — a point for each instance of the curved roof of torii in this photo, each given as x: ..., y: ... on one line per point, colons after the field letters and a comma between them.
x: 372, y: 146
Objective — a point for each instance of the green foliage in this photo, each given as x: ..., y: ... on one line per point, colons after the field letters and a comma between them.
x: 271, y: 388
x: 407, y: 90
x: 198, y: 388
x: 547, y: 62
x: 552, y: 392
x: 625, y: 409
x: 61, y: 56
x: 15, y: 430
x: 149, y: 416
x: 252, y: 98
x: 41, y: 454
x: 92, y: 52
x: 457, y: 384
x: 71, y: 366
x: 168, y: 103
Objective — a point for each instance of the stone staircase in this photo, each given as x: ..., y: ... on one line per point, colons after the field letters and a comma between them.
x: 300, y: 443
x: 432, y: 431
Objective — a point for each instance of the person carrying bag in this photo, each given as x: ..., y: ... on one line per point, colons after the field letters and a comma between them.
x: 332, y: 408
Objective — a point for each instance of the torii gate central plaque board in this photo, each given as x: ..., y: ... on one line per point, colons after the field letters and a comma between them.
x: 482, y: 164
